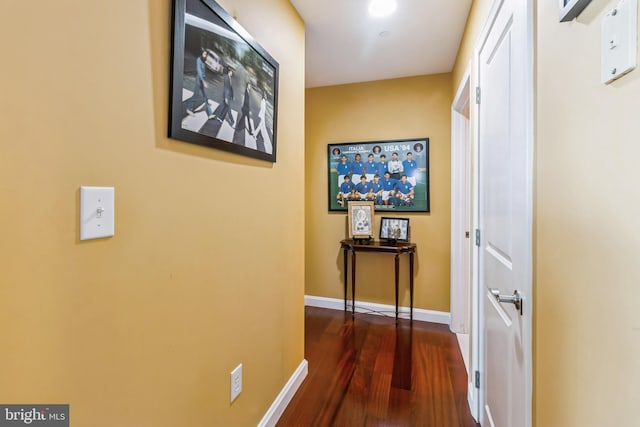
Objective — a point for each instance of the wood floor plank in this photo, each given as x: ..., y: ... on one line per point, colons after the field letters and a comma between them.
x: 433, y: 398
x: 370, y: 372
x: 402, y: 363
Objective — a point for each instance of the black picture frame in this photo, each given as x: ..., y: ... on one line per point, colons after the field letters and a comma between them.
x: 570, y: 9
x: 234, y: 112
x: 387, y: 224
x: 415, y: 150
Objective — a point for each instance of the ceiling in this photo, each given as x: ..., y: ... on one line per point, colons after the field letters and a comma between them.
x: 344, y: 44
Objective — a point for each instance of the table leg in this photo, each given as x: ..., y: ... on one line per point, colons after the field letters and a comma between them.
x: 397, y: 279
x: 411, y: 283
x: 353, y: 284
x: 345, y: 278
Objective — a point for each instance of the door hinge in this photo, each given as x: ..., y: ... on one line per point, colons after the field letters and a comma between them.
x: 477, y: 94
x: 477, y: 237
x: 477, y: 379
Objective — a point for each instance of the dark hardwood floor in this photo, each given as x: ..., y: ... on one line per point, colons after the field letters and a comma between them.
x: 368, y: 372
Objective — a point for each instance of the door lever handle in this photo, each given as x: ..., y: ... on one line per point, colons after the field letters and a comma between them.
x: 514, y: 299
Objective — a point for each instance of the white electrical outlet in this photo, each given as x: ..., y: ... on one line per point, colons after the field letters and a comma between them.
x: 236, y: 382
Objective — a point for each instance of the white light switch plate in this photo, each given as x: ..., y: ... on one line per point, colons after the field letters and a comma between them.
x: 619, y: 40
x: 97, y: 212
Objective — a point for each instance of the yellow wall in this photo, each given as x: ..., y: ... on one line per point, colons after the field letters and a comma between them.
x: 588, y: 216
x: 587, y: 210
x: 142, y: 329
x: 380, y: 110
x: 475, y: 22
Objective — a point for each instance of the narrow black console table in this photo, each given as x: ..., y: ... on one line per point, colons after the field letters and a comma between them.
x: 380, y: 247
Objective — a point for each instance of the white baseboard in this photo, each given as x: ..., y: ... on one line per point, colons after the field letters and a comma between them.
x: 381, y: 309
x: 473, y: 406
x: 278, y: 406
x: 463, y: 343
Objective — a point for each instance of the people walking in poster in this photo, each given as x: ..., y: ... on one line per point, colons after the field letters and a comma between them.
x: 244, y: 122
x: 215, y: 60
x: 200, y: 86
x: 224, y: 109
x: 261, y: 130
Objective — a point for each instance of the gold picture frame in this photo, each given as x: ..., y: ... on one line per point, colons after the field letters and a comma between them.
x: 360, y: 220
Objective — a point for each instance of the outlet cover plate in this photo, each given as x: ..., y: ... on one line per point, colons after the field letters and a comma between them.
x: 236, y: 382
x: 619, y: 40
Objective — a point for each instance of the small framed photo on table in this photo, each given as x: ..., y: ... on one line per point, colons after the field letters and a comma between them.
x: 394, y: 229
x: 360, y: 220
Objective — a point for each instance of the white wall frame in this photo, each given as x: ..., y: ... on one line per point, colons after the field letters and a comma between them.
x: 460, y: 206
x: 464, y: 318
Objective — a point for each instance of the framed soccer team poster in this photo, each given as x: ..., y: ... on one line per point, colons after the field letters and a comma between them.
x: 224, y: 85
x: 394, y: 174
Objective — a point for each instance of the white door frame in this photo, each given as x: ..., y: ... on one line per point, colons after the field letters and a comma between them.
x: 461, y: 211
x: 478, y: 321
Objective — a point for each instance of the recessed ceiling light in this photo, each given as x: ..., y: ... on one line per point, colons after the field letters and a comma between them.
x: 380, y: 8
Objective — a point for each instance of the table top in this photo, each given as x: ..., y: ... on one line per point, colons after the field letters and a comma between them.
x: 377, y: 246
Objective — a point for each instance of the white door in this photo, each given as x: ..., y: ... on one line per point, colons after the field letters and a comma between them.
x: 505, y: 144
